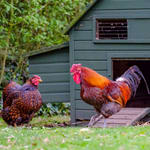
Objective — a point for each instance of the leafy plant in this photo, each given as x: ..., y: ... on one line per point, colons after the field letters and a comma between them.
x: 54, y: 109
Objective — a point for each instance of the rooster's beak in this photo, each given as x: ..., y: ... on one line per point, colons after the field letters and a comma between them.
x: 40, y: 80
x: 72, y: 73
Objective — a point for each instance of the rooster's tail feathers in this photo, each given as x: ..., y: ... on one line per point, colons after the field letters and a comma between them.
x: 133, y: 77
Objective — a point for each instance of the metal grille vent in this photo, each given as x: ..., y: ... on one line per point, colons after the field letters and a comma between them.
x: 111, y: 29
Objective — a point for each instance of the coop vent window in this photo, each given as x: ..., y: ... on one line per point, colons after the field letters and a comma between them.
x: 111, y: 29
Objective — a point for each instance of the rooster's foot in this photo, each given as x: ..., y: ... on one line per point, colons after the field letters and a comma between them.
x: 94, y: 119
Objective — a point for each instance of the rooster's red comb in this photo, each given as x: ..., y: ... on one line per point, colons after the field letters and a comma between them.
x: 74, y: 67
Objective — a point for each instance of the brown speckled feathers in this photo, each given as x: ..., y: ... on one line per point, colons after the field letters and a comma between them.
x: 20, y: 103
x: 8, y: 90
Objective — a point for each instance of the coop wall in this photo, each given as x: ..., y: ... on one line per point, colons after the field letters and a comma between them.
x: 98, y: 54
x: 53, y: 68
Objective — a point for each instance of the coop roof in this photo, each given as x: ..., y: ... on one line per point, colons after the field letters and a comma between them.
x: 89, y: 6
x: 48, y: 49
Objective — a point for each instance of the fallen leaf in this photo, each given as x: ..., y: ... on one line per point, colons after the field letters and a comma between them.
x: 46, y: 140
x: 34, y: 144
x: 26, y: 146
x: 4, y: 147
x: 11, y: 136
x: 84, y: 129
x: 63, y: 141
x: 87, y: 139
x: 142, y: 135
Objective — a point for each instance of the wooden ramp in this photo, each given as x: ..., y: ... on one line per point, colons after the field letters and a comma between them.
x: 126, y: 117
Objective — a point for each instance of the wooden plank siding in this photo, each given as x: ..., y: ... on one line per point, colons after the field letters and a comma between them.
x: 53, y: 67
x: 45, y: 58
x: 54, y: 77
x: 49, y: 68
x: 95, y: 55
x: 126, y: 4
x: 86, y: 20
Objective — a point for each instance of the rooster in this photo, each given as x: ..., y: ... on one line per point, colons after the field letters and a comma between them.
x: 20, y: 103
x: 107, y: 96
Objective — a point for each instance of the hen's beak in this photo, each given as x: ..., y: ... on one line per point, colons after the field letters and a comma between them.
x: 40, y: 80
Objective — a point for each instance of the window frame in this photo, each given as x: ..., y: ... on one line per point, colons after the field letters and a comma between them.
x: 109, y: 21
x: 128, y: 40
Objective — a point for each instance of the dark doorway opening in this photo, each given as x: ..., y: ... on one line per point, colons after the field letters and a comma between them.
x: 142, y: 99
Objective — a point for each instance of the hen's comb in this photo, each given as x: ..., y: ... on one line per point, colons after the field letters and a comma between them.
x: 36, y: 76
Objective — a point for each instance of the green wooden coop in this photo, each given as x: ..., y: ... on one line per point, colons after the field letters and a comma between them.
x: 108, y: 36
x: 52, y: 64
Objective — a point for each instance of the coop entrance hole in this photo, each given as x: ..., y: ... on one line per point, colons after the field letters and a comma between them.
x: 119, y: 66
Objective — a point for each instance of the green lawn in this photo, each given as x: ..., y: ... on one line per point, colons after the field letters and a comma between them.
x: 37, y: 137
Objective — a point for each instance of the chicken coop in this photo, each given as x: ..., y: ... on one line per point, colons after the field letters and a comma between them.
x: 52, y: 65
x: 109, y: 36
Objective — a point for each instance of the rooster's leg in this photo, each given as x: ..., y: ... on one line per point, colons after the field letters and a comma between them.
x: 94, y: 119
x: 105, y: 123
x: 109, y: 109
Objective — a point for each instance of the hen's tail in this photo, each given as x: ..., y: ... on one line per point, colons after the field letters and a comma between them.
x: 133, y: 77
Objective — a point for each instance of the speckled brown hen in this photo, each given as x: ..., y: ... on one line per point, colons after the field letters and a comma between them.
x: 107, y: 96
x: 20, y: 103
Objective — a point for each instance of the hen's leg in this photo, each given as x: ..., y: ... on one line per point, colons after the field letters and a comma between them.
x: 27, y: 117
x: 31, y: 116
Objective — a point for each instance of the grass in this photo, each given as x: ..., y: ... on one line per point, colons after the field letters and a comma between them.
x: 54, y: 121
x: 38, y: 137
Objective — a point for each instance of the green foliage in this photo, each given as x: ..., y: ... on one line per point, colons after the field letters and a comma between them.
x: 13, y: 73
x: 30, y: 25
x: 54, y: 109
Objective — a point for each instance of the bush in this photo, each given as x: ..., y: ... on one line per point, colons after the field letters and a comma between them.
x: 54, y: 109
